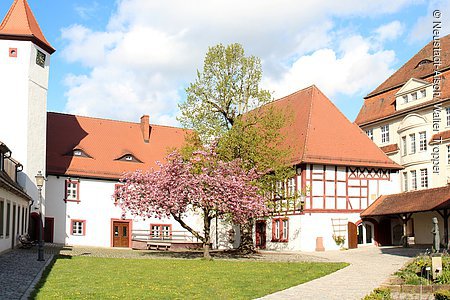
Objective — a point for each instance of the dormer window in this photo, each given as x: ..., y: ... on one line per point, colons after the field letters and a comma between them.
x: 423, y: 93
x: 424, y: 62
x: 130, y: 158
x: 414, y: 96
x: 405, y: 99
x: 78, y: 153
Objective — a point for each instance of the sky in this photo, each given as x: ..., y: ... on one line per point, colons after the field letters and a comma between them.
x: 126, y: 58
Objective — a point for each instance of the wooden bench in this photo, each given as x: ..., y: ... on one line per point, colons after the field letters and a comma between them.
x: 158, y: 246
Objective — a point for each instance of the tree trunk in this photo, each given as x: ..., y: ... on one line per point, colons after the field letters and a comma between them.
x: 207, y: 241
x: 247, y: 245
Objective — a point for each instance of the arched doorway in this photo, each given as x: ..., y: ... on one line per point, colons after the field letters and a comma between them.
x: 366, y: 233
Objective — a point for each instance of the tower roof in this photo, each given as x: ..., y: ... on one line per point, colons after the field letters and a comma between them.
x: 321, y: 134
x: 20, y: 24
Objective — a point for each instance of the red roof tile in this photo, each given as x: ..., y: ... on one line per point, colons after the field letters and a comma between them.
x: 390, y: 148
x: 380, y: 103
x: 416, y: 201
x: 413, y: 69
x: 383, y: 105
x: 321, y: 134
x: 105, y: 141
x: 436, y: 138
x: 20, y: 23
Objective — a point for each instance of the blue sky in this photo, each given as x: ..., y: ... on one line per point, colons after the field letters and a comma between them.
x: 127, y: 58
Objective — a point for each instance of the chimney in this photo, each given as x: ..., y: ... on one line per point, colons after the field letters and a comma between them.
x: 145, y: 128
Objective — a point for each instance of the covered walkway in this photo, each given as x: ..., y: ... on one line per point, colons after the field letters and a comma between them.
x: 402, y: 207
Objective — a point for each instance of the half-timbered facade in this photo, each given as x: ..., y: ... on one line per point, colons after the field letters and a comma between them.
x: 335, y: 179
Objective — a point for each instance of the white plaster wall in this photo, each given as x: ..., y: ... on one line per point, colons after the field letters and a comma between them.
x: 23, y: 124
x: 414, y: 122
x: 305, y: 229
x: 20, y: 203
x: 97, y: 208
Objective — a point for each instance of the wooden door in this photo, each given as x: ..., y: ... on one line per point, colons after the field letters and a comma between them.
x: 121, y: 232
x: 260, y: 234
x: 352, y: 235
x: 48, y: 229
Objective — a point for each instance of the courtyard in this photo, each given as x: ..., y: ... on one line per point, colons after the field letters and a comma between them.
x: 88, y: 273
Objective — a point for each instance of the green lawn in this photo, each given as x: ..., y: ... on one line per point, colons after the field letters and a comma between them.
x: 114, y: 278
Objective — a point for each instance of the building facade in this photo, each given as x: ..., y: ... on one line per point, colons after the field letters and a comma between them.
x: 339, y: 173
x: 25, y: 62
x: 408, y: 117
x: 14, y: 202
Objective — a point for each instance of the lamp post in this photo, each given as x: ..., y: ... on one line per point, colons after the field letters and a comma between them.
x: 40, y: 183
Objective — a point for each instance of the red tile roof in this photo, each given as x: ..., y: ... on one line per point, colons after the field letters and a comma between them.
x: 413, y: 69
x: 441, y: 136
x: 321, y: 134
x: 390, y: 148
x: 380, y: 103
x: 20, y: 23
x: 416, y: 201
x: 105, y: 141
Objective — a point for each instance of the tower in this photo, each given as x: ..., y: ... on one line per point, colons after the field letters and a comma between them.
x: 24, y: 70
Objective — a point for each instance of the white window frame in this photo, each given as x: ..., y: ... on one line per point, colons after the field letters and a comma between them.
x: 405, y: 99
x: 385, y: 134
x: 78, y: 227
x: 412, y: 141
x: 448, y: 115
x: 423, y: 93
x: 405, y: 181
x: 448, y: 154
x: 413, y: 96
x: 413, y: 180
x: 369, y: 133
x: 291, y: 186
x: 404, y: 146
x: 72, y: 190
x: 423, y: 141
x: 424, y: 178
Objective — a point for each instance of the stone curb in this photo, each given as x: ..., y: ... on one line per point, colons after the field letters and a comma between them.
x: 38, y: 277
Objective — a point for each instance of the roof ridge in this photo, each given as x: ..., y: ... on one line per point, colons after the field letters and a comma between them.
x: 112, y: 120
x: 14, y: 26
x: 308, y: 123
x: 373, y: 92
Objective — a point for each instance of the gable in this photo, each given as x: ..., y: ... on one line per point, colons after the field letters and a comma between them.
x: 321, y: 134
x: 411, y: 85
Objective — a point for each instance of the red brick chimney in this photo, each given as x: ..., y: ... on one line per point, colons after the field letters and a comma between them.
x: 145, y: 127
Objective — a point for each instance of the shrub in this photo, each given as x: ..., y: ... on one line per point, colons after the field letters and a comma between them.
x: 442, y: 295
x: 379, y: 294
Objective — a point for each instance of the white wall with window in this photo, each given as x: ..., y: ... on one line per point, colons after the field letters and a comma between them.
x: 83, y: 210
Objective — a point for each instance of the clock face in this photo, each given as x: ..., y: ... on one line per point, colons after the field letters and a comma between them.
x: 40, y: 59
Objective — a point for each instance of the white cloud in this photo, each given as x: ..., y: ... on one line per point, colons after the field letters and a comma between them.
x: 150, y: 50
x: 389, y: 31
x: 354, y: 68
x: 422, y: 30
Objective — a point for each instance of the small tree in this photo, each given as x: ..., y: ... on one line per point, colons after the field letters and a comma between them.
x: 203, y: 185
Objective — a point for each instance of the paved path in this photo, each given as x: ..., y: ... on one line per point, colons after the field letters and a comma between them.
x: 369, y: 268
x: 20, y: 271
